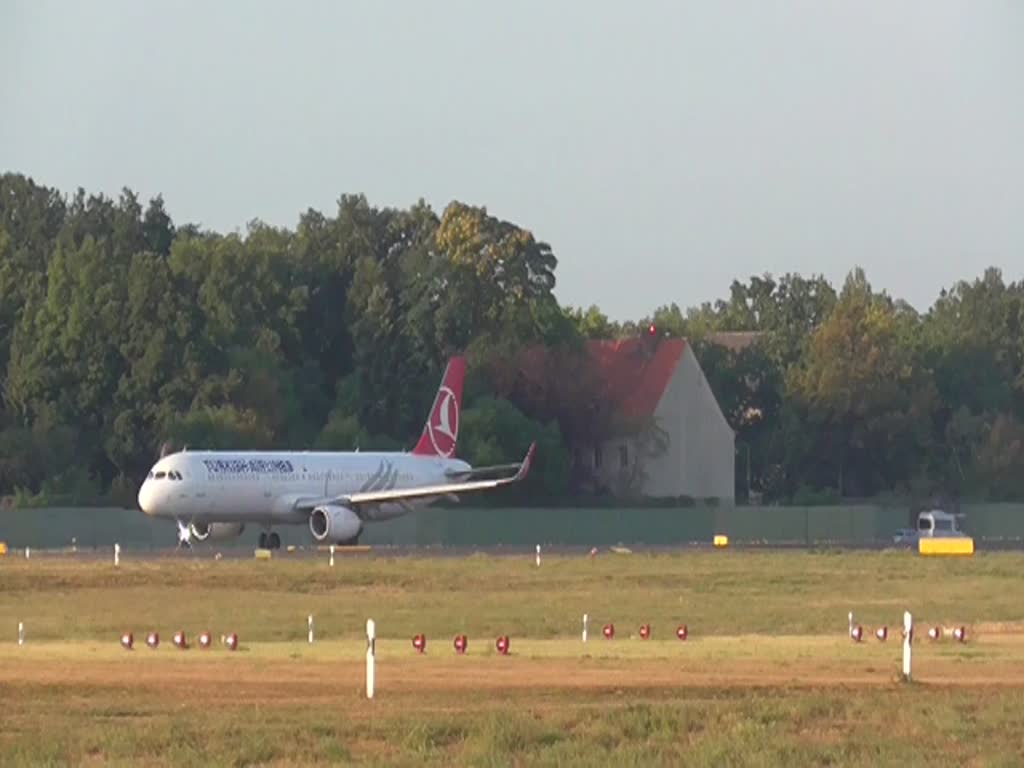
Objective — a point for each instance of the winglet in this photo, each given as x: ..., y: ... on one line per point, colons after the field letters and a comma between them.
x: 524, y: 468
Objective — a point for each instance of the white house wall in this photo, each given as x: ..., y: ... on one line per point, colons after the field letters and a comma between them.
x: 700, y: 458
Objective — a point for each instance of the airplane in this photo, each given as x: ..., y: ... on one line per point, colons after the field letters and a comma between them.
x: 213, y: 495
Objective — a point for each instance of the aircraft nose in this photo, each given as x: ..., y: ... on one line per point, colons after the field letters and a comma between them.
x: 146, y: 498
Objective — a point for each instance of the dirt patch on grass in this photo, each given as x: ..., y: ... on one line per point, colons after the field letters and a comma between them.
x: 233, y: 680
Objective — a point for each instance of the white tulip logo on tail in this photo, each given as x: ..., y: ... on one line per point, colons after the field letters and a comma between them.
x: 441, y: 430
x: 443, y: 426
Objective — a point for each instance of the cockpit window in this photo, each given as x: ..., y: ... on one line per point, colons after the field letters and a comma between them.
x: 150, y: 476
x: 160, y: 475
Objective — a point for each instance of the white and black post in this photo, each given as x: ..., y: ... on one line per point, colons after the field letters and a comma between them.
x: 309, y: 623
x: 585, y: 617
x: 908, y: 638
x: 371, y: 652
x: 117, y: 554
x: 21, y: 633
x: 332, y: 555
x: 538, y: 555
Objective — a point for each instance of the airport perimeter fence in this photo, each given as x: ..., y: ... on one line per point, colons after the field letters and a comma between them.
x: 861, y: 525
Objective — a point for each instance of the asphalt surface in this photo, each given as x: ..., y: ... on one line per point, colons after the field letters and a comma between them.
x: 235, y: 552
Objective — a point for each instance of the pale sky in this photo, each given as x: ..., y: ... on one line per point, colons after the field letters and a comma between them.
x: 661, y: 148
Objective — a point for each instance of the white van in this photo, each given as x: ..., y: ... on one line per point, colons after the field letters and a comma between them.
x: 936, y: 523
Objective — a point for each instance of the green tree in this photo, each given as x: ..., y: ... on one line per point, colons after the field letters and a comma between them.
x: 220, y: 428
x: 31, y: 218
x: 866, y: 398
x: 494, y: 431
x: 591, y: 323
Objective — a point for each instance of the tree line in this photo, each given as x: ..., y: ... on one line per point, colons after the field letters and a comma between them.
x: 122, y: 331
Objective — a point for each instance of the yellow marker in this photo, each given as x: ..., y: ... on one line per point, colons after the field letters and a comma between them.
x: 263, y: 554
x: 721, y: 540
x: 3, y: 548
x: 945, y: 545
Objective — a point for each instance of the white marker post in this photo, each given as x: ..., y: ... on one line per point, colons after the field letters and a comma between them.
x: 117, y: 554
x: 310, y: 624
x: 850, y: 628
x: 538, y: 555
x: 584, y: 627
x: 27, y: 553
x: 332, y: 555
x: 371, y: 650
x: 21, y: 633
x: 908, y: 638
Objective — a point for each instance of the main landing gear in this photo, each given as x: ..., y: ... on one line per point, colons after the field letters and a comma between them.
x: 269, y: 540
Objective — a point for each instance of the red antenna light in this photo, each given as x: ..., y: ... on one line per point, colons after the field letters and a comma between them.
x: 651, y: 330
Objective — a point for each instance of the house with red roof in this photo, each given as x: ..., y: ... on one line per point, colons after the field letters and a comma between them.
x: 644, y: 421
x: 671, y: 438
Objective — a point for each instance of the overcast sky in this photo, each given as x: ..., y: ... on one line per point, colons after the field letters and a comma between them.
x: 661, y: 148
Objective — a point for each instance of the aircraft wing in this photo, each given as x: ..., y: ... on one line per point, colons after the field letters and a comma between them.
x: 399, y: 495
x: 479, y: 471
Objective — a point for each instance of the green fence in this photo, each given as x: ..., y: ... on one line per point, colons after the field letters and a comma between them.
x: 468, y: 527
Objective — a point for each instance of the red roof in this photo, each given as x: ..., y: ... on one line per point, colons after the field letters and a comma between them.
x: 628, y: 376
x: 636, y: 372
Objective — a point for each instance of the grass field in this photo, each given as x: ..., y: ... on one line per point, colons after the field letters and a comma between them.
x: 767, y: 676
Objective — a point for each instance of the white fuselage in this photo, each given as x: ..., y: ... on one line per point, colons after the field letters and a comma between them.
x: 263, y: 487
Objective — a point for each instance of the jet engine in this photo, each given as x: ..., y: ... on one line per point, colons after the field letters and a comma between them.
x: 334, y: 524
x: 216, y: 531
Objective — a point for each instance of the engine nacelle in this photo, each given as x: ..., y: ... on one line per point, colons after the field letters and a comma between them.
x: 334, y: 524
x: 216, y: 531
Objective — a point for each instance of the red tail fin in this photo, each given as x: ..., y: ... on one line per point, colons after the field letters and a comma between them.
x: 441, y: 432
